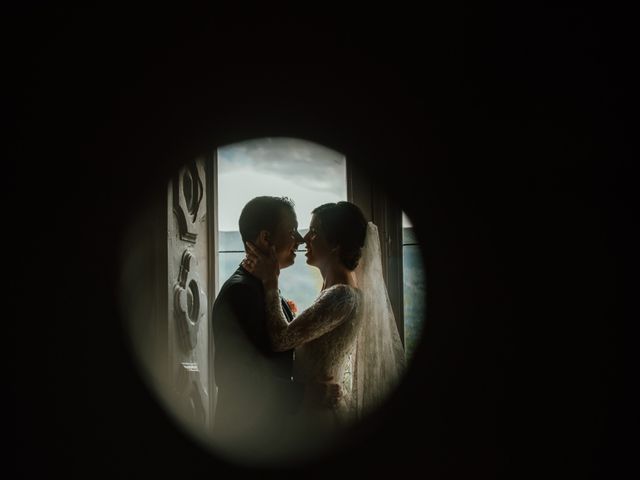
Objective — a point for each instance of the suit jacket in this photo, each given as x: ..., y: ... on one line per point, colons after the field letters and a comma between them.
x: 255, y: 387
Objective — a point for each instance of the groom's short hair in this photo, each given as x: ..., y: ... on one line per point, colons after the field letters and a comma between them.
x: 262, y: 213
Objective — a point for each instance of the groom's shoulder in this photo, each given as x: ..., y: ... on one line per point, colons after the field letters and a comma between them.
x: 240, y: 277
x: 238, y: 284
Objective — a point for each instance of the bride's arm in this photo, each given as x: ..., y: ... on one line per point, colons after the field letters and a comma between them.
x: 332, y: 308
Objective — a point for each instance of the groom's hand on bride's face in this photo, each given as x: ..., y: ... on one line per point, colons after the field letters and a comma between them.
x: 264, y: 266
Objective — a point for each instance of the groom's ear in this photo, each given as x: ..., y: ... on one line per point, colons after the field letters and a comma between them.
x: 263, y: 241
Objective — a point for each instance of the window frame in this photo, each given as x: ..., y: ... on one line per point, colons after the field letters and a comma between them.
x: 377, y: 207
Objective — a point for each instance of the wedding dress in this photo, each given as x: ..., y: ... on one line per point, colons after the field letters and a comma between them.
x: 349, y: 335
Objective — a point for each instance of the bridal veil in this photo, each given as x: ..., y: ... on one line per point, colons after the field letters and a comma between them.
x: 378, y: 360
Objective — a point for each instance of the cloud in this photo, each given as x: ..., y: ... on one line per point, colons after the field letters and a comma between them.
x: 305, y: 163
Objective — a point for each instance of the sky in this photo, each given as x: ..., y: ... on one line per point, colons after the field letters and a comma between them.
x: 308, y: 173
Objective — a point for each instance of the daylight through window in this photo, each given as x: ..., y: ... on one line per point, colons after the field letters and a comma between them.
x: 414, y: 285
x: 306, y: 172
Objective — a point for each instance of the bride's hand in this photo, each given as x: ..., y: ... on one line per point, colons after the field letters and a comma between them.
x: 262, y: 265
x: 323, y: 393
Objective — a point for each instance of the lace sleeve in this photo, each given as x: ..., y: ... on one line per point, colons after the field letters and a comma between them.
x: 333, y: 307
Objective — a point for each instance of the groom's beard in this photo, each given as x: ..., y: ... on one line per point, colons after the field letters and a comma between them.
x: 288, y: 259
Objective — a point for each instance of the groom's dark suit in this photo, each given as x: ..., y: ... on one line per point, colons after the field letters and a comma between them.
x: 255, y: 387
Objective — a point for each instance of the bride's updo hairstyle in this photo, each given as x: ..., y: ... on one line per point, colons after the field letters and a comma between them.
x: 343, y: 225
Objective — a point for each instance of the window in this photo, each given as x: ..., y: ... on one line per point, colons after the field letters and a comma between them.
x: 311, y: 174
x: 413, y: 287
x: 308, y: 173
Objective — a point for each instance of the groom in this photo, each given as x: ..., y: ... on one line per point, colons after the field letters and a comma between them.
x: 256, y: 391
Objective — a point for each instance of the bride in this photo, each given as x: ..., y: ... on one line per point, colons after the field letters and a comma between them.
x: 348, y: 335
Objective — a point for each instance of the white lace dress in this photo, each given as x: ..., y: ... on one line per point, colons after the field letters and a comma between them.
x: 323, y: 336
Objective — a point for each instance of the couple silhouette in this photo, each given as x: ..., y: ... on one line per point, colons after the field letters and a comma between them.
x: 287, y: 383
